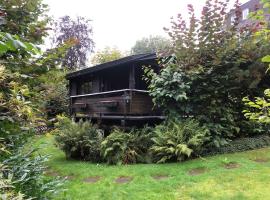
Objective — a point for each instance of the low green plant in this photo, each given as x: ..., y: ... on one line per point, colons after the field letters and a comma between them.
x: 24, y: 172
x: 122, y: 147
x: 6, y: 188
x: 79, y: 140
x: 239, y: 145
x: 115, y: 148
x: 177, y: 140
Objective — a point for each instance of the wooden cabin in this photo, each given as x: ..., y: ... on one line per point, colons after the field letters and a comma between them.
x: 113, y: 91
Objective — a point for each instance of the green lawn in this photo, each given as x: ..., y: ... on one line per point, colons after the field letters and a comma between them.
x: 249, y: 180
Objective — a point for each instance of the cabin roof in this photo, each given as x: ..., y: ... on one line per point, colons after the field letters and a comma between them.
x: 123, y: 61
x: 253, y: 5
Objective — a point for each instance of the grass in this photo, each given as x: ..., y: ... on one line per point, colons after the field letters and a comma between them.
x: 250, y: 180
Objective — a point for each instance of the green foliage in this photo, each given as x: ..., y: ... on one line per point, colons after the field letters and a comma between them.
x: 167, y: 87
x: 150, y: 44
x: 6, y: 188
x: 239, y: 145
x: 177, y: 140
x: 80, y: 140
x: 115, y: 149
x: 259, y: 109
x: 12, y: 43
x: 53, y: 89
x: 16, y: 113
x: 26, y: 18
x: 25, y: 171
x: 106, y: 55
x: 210, y: 70
x: 22, y: 171
x: 127, y: 147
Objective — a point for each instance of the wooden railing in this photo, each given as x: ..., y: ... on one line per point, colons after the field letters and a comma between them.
x: 110, y: 92
x: 113, y: 104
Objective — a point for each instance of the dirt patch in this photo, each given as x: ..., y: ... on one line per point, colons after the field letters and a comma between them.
x: 197, y: 171
x: 69, y: 177
x: 52, y: 173
x: 261, y: 160
x: 231, y: 165
x: 92, y: 179
x: 124, y: 179
x: 160, y: 177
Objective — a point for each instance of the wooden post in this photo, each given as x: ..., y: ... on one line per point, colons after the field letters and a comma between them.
x: 132, y: 77
x: 70, y: 99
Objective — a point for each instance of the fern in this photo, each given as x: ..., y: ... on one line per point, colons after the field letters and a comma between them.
x: 178, y: 140
x: 80, y: 140
x: 127, y: 147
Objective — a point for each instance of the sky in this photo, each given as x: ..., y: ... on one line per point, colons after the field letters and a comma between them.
x: 119, y: 23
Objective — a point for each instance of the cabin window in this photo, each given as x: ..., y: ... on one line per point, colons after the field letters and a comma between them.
x: 233, y: 19
x: 245, y: 13
x: 86, y: 87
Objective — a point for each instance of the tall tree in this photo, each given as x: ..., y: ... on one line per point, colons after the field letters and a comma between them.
x: 210, y: 71
x: 79, y: 31
x: 106, y: 55
x: 26, y: 18
x: 150, y: 44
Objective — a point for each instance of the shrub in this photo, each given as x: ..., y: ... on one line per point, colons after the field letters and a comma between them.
x: 24, y: 173
x: 7, y: 189
x: 125, y: 148
x: 54, y: 92
x: 80, y: 140
x: 177, y: 140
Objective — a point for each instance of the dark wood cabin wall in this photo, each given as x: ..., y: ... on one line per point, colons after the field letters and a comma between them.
x: 115, y: 79
x: 141, y: 103
x: 140, y: 84
x: 96, y: 84
x: 76, y: 84
x: 73, y: 87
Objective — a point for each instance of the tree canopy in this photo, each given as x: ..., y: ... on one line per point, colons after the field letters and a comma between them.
x: 26, y: 18
x: 78, y: 31
x: 106, y: 55
x: 150, y: 44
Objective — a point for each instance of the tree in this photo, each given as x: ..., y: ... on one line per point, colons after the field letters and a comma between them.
x: 150, y: 44
x: 210, y: 71
x: 79, y: 31
x: 106, y: 55
x: 21, y: 169
x: 26, y: 18
x: 23, y: 26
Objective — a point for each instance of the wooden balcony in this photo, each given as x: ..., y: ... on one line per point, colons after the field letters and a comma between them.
x: 130, y: 104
